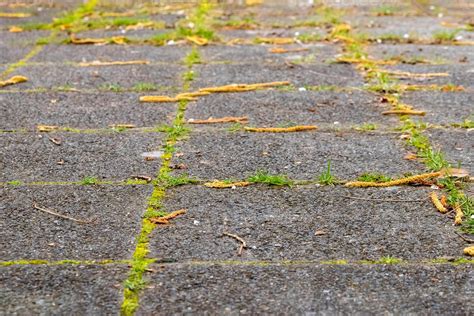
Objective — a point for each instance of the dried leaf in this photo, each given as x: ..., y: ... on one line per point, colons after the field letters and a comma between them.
x: 139, y: 26
x: 320, y: 233
x: 299, y: 128
x: 413, y: 75
x: 13, y: 80
x: 244, y: 87
x: 55, y: 141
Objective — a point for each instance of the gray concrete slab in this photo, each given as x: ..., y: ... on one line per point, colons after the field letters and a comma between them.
x: 228, y: 35
x: 301, y: 155
x: 442, y: 107
x: 98, y: 77
x: 88, y: 53
x: 29, y: 233
x: 314, y: 289
x: 456, y: 144
x: 20, y: 40
x: 80, y: 110
x: 114, y: 156
x: 316, y: 53
x: 274, y: 108
x: 434, y: 53
x: 280, y: 224
x: 61, y: 290
x: 459, y: 74
x: 298, y: 75
x: 11, y: 54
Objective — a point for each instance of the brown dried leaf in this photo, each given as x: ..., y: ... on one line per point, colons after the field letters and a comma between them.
x: 13, y: 80
x: 47, y: 128
x: 299, y: 128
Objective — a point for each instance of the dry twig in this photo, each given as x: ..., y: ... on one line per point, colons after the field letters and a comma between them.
x: 243, y: 244
x: 227, y: 119
x: 298, y: 128
x: 380, y: 200
x: 46, y: 210
x: 165, y: 219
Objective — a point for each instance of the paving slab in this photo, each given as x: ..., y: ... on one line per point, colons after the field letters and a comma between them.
x: 281, y: 224
x: 131, y: 34
x: 273, y: 108
x: 61, y: 290
x: 302, y: 155
x: 459, y: 75
x: 434, y: 53
x: 80, y: 110
x: 310, y: 290
x: 11, y: 54
x: 39, y: 15
x: 442, y: 107
x: 108, y: 156
x: 89, y: 53
x: 315, y: 53
x: 228, y: 35
x: 419, y: 26
x: 456, y: 144
x: 28, y: 233
x: 299, y: 75
x: 98, y: 77
x: 20, y: 40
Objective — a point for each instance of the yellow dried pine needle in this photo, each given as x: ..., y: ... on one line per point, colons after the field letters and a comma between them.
x: 13, y: 15
x: 192, y: 94
x: 407, y: 180
x: 163, y: 98
x: 47, y: 128
x: 275, y: 40
x: 122, y: 126
x: 244, y: 87
x: 414, y: 75
x: 404, y: 112
x: 344, y: 38
x: 437, y: 203
x: 165, y: 219
x: 13, y: 80
x: 197, y: 40
x: 225, y: 185
x: 15, y: 29
x: 458, y: 214
x: 85, y: 41
x: 227, y: 119
x: 114, y: 63
x: 299, y: 128
x: 116, y: 14
x: 469, y: 251
x: 279, y: 50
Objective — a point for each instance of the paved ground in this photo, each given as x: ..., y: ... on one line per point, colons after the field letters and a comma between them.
x: 86, y: 169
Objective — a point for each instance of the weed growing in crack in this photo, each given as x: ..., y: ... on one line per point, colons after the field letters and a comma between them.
x: 445, y: 36
x: 171, y: 181
x: 14, y: 182
x: 111, y: 87
x: 89, y: 181
x: 326, y: 178
x: 366, y: 127
x: 270, y: 179
x: 144, y: 86
x: 192, y: 58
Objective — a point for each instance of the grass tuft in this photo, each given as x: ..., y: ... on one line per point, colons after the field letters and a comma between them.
x: 326, y: 178
x: 270, y: 179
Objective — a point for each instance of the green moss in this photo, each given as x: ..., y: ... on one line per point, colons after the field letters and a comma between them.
x: 89, y: 180
x: 309, y: 37
x: 374, y: 177
x: 192, y: 58
x: 114, y: 87
x: 445, y: 36
x: 467, y: 123
x: 366, y: 127
x: 188, y: 76
x: 335, y: 262
x: 270, y: 179
x: 14, y: 182
x: 383, y: 260
x: 171, y: 181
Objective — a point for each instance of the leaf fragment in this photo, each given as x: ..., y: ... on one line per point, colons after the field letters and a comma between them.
x: 14, y: 15
x: 437, y: 203
x: 469, y: 251
x: 47, y: 128
x: 404, y: 112
x: 15, y: 29
x: 164, y: 98
x: 197, y: 40
x: 459, y: 214
x: 281, y: 50
x: 275, y: 40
